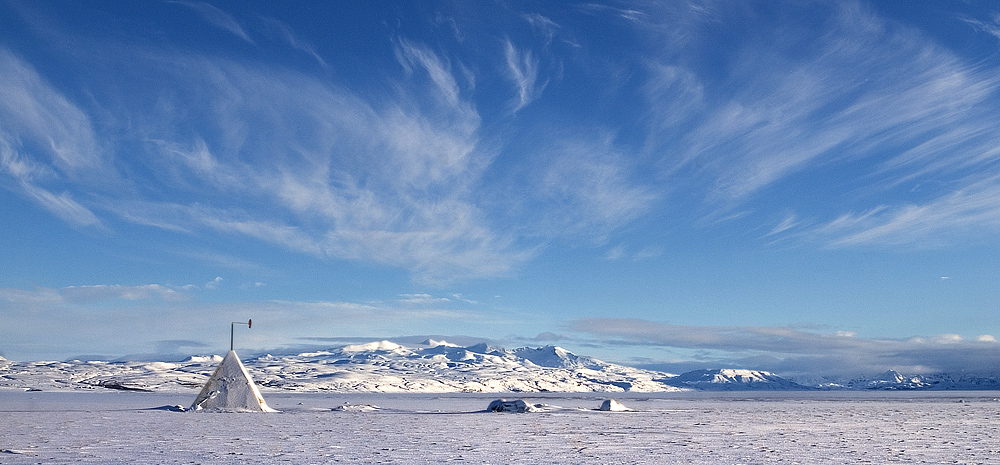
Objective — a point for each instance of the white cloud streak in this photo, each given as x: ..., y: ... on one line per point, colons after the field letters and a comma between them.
x: 63, y: 206
x: 932, y: 224
x: 44, y: 139
x: 991, y: 26
x: 421, y: 299
x: 646, y: 253
x: 97, y: 293
x: 218, y: 18
x: 392, y: 183
x: 523, y: 71
x: 330, y: 173
x: 543, y: 25
x: 874, y: 91
x: 593, y: 185
x: 412, y: 56
x: 79, y: 294
x: 288, y: 35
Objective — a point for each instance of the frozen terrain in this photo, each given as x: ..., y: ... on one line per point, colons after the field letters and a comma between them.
x: 694, y: 427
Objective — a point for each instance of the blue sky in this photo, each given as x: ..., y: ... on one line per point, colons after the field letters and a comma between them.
x: 807, y: 187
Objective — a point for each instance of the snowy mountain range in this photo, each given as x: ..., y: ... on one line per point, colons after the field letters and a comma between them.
x: 733, y: 380
x: 893, y: 380
x: 433, y: 366
x: 375, y: 367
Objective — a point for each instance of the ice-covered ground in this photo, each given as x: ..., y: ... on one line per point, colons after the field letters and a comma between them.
x: 730, y: 428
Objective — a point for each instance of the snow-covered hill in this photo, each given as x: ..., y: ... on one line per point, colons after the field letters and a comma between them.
x: 732, y: 380
x: 375, y: 367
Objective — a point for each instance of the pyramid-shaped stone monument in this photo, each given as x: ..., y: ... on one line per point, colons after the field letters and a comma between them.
x: 231, y: 389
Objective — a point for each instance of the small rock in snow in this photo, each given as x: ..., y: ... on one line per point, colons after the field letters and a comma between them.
x: 513, y: 406
x: 347, y: 407
x: 612, y: 405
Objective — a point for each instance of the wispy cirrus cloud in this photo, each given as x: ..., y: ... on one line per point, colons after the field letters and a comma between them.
x: 63, y: 206
x: 636, y: 15
x: 875, y: 94
x: 414, y: 57
x: 428, y: 299
x: 217, y: 18
x: 99, y: 293
x: 594, y: 187
x: 103, y: 292
x: 990, y: 26
x: 795, y: 352
x: 40, y: 117
x: 543, y: 25
x: 335, y: 175
x: 357, y: 317
x: 410, y: 206
x: 290, y: 37
x: 972, y: 211
x: 44, y: 140
x: 620, y: 252
x: 332, y: 171
x: 399, y: 179
x: 523, y: 72
x: 421, y: 299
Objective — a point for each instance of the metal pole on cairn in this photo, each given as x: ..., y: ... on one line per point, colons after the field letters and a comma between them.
x: 232, y: 330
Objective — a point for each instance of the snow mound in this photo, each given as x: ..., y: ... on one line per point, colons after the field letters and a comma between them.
x: 612, y: 405
x: 170, y: 408
x: 348, y: 407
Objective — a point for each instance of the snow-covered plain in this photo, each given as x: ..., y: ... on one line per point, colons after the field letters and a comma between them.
x: 691, y: 427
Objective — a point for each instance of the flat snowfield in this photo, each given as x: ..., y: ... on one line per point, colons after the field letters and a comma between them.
x: 715, y: 428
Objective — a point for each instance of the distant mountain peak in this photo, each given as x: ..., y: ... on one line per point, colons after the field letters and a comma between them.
x: 433, y: 343
x: 554, y: 357
x: 732, y: 379
x: 484, y: 348
x: 892, y: 376
x: 380, y: 346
